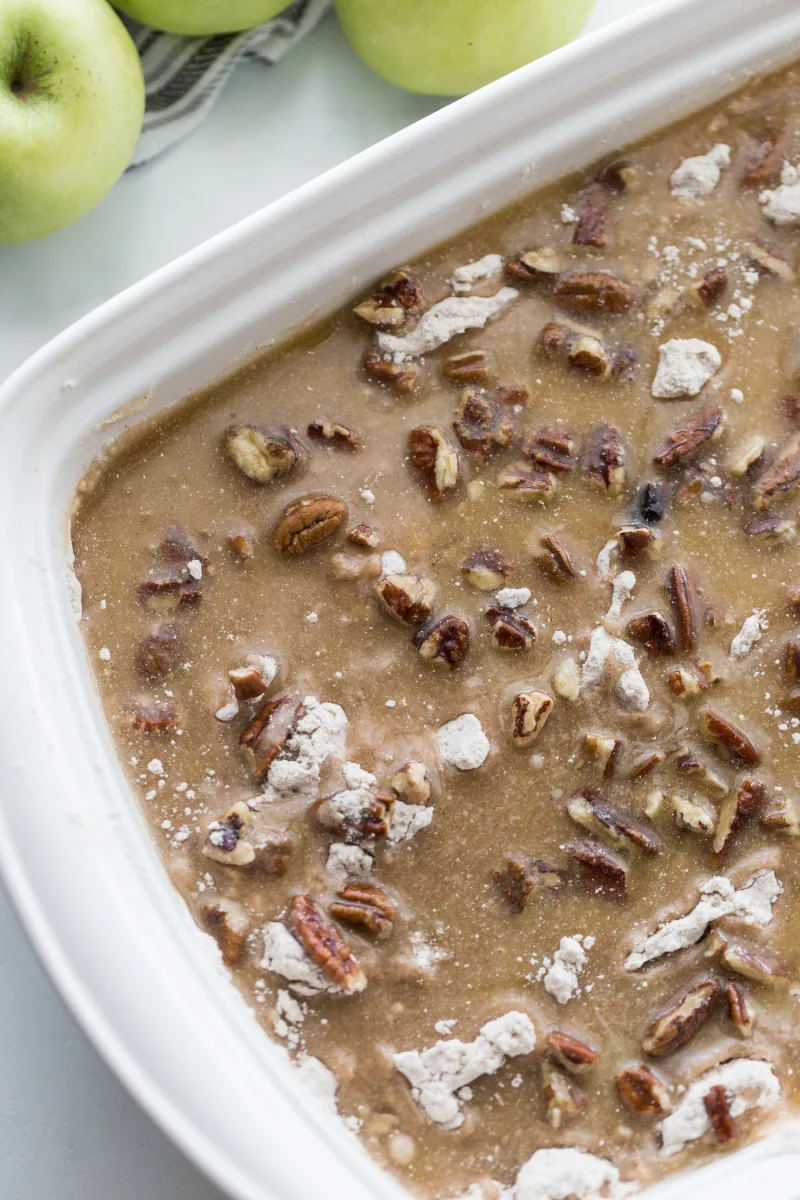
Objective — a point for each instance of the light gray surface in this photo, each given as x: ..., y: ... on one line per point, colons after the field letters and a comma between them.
x: 68, y: 1131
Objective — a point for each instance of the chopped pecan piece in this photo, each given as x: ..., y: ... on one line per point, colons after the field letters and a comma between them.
x: 153, y: 716
x: 592, y: 227
x: 176, y: 546
x: 273, y: 849
x: 692, y: 816
x: 562, y: 1097
x: 751, y: 964
x: 768, y: 262
x: 588, y: 353
x: 782, y: 816
x: 619, y: 175
x: 307, y: 522
x: 157, y: 654
x: 722, y: 733
x: 605, y: 751
x: 556, y: 437
x: 407, y: 598
x: 470, y: 367
x: 411, y: 783
x: 651, y: 502
x: 790, y: 406
x: 510, y: 630
x: 226, y: 838
x: 653, y: 630
x: 399, y: 376
x: 605, y: 459
x: 435, y: 459
x: 737, y: 809
x: 527, y: 484
x: 791, y: 662
x: 686, y: 681
x: 592, y: 812
x: 763, y: 161
x: 552, y: 339
x: 252, y: 680
x: 354, y: 817
x: 556, y: 561
x: 166, y: 594
x: 682, y: 1019
x: 645, y: 763
x: 774, y: 528
x: 487, y: 569
x: 715, y: 1102
x: 268, y: 732
x: 572, y: 1054
x: 635, y: 540
x: 262, y: 454
x: 594, y: 292
x: 540, y: 265
x: 778, y: 477
x: 600, y: 868
x: 701, y: 426
x: 334, y: 434
x: 520, y: 877
x: 681, y: 593
x: 388, y: 307
x: 711, y: 286
x: 739, y: 1010
x: 551, y: 449
x: 324, y: 944
x: 365, y: 906
x: 445, y: 641
x: 242, y: 545
x: 642, y: 1092
x: 747, y: 452
x: 529, y: 713
x: 692, y: 764
x: 364, y: 535
x: 485, y: 423
x: 230, y: 924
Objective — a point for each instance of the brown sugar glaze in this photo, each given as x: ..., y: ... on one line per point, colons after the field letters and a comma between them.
x: 457, y: 952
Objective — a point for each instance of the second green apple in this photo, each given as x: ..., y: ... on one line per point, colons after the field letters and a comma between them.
x: 201, y: 17
x: 451, y: 47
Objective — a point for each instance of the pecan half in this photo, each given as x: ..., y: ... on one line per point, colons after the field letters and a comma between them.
x: 520, y: 877
x: 540, y: 265
x: 594, y: 292
x: 701, y: 426
x: 722, y: 733
x: 715, y: 1103
x: 737, y: 809
x: 605, y: 459
x: 445, y: 641
x: 157, y: 654
x: 651, y: 502
x: 592, y: 227
x: 485, y: 423
x: 470, y: 367
x: 778, y: 477
x: 600, y: 868
x: 527, y: 484
x: 592, y: 812
x: 364, y: 535
x: 570, y: 1052
x: 681, y: 593
x: 229, y: 923
x: 308, y: 522
x: 487, y: 568
x: 682, y: 1019
x: 510, y: 630
x: 642, y: 1092
x: 262, y: 454
x: 653, y: 631
x: 529, y: 713
x: 324, y: 944
x: 354, y: 817
x: 365, y: 906
x: 267, y: 734
x: 562, y: 1096
x: 435, y: 459
x: 407, y: 598
x: 711, y: 286
x: 399, y: 376
x: 412, y: 783
x: 152, y: 716
x: 739, y: 1010
x: 334, y: 434
x: 556, y: 561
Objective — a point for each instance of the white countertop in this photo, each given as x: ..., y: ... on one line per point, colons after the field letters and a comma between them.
x: 68, y: 1131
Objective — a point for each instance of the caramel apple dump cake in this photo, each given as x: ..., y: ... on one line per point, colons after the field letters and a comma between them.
x: 453, y: 650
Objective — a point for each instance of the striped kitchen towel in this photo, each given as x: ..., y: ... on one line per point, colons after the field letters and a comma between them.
x: 184, y: 75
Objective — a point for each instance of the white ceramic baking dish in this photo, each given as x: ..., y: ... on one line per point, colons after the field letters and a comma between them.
x: 75, y: 853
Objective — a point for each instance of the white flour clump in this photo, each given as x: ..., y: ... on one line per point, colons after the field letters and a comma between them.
x: 568, y: 1174
x: 604, y: 568
x: 749, y: 634
x: 344, y: 860
x: 407, y: 821
x: 290, y: 1016
x: 512, y: 597
x: 562, y: 975
x: 444, y: 321
x: 607, y: 653
x: 392, y: 563
x: 684, y: 366
x: 464, y: 278
x: 462, y: 742
x: 781, y: 205
x: 320, y: 1081
x: 319, y: 735
x: 748, y: 1083
x: 621, y: 593
x: 752, y: 903
x: 285, y: 956
x: 436, y: 1074
x: 697, y: 177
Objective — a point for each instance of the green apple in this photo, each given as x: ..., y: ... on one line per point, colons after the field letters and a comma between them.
x: 450, y: 47
x: 200, y: 17
x: 71, y: 106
